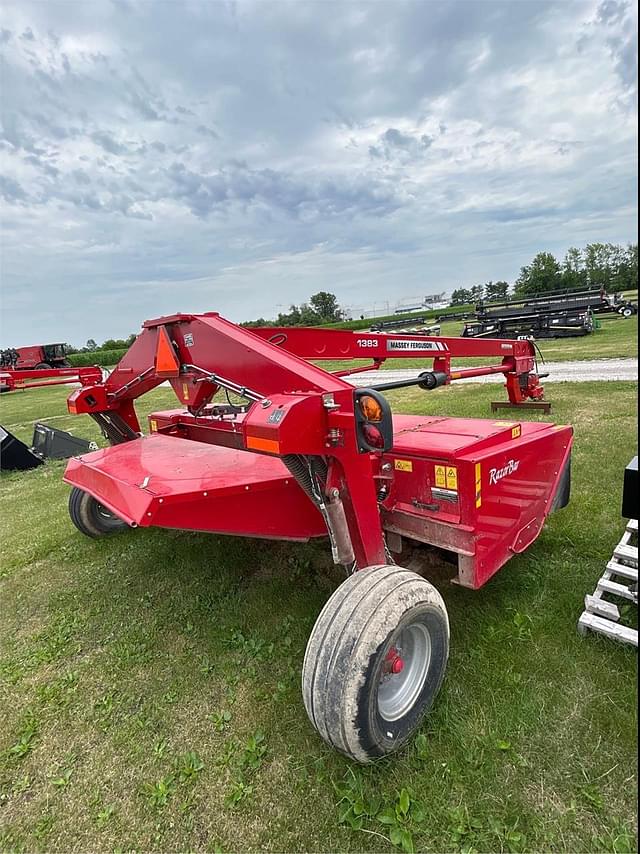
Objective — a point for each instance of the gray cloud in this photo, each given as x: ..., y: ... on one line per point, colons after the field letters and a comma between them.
x: 238, y: 156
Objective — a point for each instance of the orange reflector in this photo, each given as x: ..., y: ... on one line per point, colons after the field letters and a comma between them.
x: 255, y: 443
x: 73, y: 409
x: 370, y: 408
x: 167, y: 364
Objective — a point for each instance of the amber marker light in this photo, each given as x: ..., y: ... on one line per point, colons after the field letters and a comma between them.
x: 370, y: 408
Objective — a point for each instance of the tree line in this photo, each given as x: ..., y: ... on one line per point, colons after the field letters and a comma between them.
x: 599, y: 265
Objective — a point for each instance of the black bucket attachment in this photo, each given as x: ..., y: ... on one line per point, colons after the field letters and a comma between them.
x: 14, y: 454
x: 52, y: 444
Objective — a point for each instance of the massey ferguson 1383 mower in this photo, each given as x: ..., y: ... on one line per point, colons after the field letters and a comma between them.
x: 310, y: 456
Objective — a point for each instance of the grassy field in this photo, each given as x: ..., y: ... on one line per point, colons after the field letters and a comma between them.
x: 150, y: 700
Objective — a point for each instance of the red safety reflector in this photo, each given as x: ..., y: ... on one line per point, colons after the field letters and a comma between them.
x: 167, y: 364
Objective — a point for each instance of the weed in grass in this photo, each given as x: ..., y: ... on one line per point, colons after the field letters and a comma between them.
x: 43, y: 827
x: 522, y: 623
x: 401, y: 820
x: 254, y: 751
x: 206, y: 667
x: 105, y: 815
x: 26, y: 737
x: 281, y: 693
x: 62, y: 780
x: 463, y: 829
x: 21, y: 784
x: 227, y: 755
x: 238, y: 792
x: 507, y: 836
x: 592, y: 796
x: 158, y: 794
x: 220, y: 720
x: 421, y: 747
x: 160, y: 748
x: 353, y: 807
x: 188, y: 766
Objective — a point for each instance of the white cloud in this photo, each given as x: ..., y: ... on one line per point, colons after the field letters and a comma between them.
x: 237, y: 157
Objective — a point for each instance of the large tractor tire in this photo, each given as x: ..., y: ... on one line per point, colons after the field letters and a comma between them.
x: 90, y: 517
x: 375, y: 661
x: 42, y: 366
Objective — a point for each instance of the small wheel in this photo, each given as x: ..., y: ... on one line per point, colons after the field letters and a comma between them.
x: 42, y: 366
x: 375, y: 661
x: 90, y: 517
x: 626, y: 312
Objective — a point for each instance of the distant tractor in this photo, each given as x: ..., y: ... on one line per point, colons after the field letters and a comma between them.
x: 39, y: 357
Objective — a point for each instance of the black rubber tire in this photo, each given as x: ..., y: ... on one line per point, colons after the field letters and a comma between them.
x: 346, y: 652
x: 626, y: 312
x: 42, y: 366
x: 90, y: 517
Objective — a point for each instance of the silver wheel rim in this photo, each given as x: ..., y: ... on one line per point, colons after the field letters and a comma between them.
x: 398, y: 692
x: 102, y: 511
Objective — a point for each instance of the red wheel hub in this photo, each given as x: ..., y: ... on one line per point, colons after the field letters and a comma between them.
x: 393, y: 662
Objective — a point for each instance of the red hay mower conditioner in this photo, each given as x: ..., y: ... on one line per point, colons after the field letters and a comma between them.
x: 310, y: 456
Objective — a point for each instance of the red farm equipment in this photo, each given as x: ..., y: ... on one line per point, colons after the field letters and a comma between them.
x: 39, y: 357
x: 308, y: 455
x: 41, y: 365
x: 11, y: 380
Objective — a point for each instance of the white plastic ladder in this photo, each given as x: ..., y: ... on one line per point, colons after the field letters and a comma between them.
x: 620, y: 579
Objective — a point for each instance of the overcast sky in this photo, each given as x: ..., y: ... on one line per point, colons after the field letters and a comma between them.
x: 240, y: 156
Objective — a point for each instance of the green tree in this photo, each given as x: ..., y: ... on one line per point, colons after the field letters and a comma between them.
x: 461, y: 296
x: 90, y: 345
x: 494, y: 291
x: 541, y: 276
x: 325, y: 305
x: 574, y: 274
x: 477, y: 293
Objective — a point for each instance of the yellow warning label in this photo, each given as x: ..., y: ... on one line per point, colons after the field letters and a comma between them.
x: 503, y: 423
x: 403, y: 465
x: 153, y: 425
x: 441, y: 477
x: 478, y: 485
x: 516, y: 431
x: 185, y: 391
x: 452, y: 477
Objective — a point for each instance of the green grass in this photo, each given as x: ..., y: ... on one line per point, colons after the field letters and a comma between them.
x: 150, y: 682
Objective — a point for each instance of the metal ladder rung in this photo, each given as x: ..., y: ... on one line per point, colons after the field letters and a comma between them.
x: 601, y: 608
x: 606, y: 627
x: 615, y: 568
